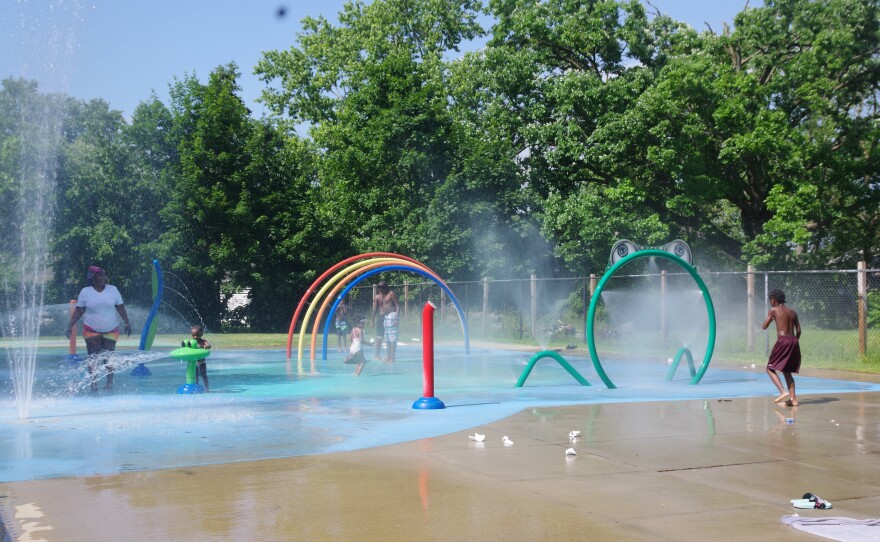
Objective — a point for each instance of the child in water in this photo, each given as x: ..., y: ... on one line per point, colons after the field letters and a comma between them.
x: 201, y: 365
x: 356, y: 352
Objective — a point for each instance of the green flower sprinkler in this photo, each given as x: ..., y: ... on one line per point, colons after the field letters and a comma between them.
x: 191, y: 354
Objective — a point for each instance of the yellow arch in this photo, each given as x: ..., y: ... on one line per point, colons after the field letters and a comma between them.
x: 345, y: 280
x: 335, y: 278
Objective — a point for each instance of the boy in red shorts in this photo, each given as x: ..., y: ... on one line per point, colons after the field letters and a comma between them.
x: 786, y: 354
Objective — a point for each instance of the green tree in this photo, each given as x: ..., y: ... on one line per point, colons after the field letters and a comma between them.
x: 108, y: 207
x: 823, y: 74
x: 560, y: 76
x: 707, y: 135
x: 373, y: 93
x: 211, y: 126
x: 285, y: 245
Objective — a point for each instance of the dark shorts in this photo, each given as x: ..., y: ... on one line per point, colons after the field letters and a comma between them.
x: 380, y: 328
x: 341, y: 327
x: 356, y: 358
x: 786, y: 355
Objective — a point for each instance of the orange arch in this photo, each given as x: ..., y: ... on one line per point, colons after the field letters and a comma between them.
x: 313, y: 288
x: 345, y: 280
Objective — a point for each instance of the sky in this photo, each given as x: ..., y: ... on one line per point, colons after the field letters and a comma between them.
x: 123, y: 50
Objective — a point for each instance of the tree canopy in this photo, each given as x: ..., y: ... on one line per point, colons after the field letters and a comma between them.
x: 570, y: 125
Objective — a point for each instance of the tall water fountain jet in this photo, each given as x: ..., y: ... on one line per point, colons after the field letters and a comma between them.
x: 35, y: 122
x: 26, y: 263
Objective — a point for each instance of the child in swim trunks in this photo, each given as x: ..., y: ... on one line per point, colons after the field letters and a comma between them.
x: 356, y: 352
x: 786, y: 354
x: 201, y: 365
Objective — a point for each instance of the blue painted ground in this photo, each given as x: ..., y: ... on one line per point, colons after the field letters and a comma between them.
x: 262, y: 407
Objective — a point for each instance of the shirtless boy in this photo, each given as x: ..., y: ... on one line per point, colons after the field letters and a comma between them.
x: 786, y: 354
x: 386, y: 328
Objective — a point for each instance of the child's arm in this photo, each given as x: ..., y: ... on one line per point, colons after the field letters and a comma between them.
x: 770, y: 317
x: 206, y: 345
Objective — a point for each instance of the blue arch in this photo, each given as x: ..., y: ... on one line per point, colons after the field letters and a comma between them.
x: 440, y: 283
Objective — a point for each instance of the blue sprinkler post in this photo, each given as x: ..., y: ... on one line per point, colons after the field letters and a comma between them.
x: 149, y: 331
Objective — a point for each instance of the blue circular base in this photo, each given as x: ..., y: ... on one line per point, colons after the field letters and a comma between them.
x: 191, y: 389
x: 428, y: 403
x: 73, y: 359
x: 141, y: 371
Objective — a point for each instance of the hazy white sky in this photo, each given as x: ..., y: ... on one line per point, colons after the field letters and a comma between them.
x: 121, y: 50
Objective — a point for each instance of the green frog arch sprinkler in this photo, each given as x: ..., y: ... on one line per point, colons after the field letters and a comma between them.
x: 679, y: 253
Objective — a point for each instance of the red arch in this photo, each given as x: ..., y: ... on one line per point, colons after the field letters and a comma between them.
x: 314, y: 287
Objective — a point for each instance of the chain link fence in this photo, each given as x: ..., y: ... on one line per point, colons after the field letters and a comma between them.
x: 652, y: 310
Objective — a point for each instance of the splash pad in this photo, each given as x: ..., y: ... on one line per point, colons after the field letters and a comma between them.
x: 143, y: 424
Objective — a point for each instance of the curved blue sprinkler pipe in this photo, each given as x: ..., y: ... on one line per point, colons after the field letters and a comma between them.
x: 149, y: 331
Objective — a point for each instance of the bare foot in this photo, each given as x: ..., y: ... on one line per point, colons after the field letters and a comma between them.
x: 782, y: 397
x: 791, y: 403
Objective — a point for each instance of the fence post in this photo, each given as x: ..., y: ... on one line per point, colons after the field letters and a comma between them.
x: 586, y: 307
x: 485, y: 302
x: 862, y: 282
x: 663, y: 288
x: 593, y: 282
x: 750, y: 308
x: 373, y: 301
x: 405, y: 298
x: 520, y: 305
x: 442, y: 306
x: 534, y: 298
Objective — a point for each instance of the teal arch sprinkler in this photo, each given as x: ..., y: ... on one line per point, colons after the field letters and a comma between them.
x: 677, y: 252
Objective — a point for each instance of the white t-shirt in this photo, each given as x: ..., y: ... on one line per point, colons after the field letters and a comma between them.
x: 100, y: 307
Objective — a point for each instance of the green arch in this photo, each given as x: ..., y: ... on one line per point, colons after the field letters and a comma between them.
x: 549, y: 354
x: 591, y: 315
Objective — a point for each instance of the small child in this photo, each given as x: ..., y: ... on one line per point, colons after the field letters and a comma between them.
x: 201, y: 365
x: 356, y: 352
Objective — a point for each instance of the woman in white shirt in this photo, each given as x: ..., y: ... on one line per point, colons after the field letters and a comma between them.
x: 101, y: 303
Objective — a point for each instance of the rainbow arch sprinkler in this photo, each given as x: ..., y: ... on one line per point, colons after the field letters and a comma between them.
x: 345, y: 275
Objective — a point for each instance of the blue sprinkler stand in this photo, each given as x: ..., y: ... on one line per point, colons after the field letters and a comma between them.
x: 72, y: 359
x: 141, y: 371
x: 190, y: 389
x: 428, y: 403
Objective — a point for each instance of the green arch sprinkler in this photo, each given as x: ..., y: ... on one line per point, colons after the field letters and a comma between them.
x: 625, y: 251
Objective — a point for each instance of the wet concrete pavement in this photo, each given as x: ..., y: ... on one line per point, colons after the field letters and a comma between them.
x: 681, y: 470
